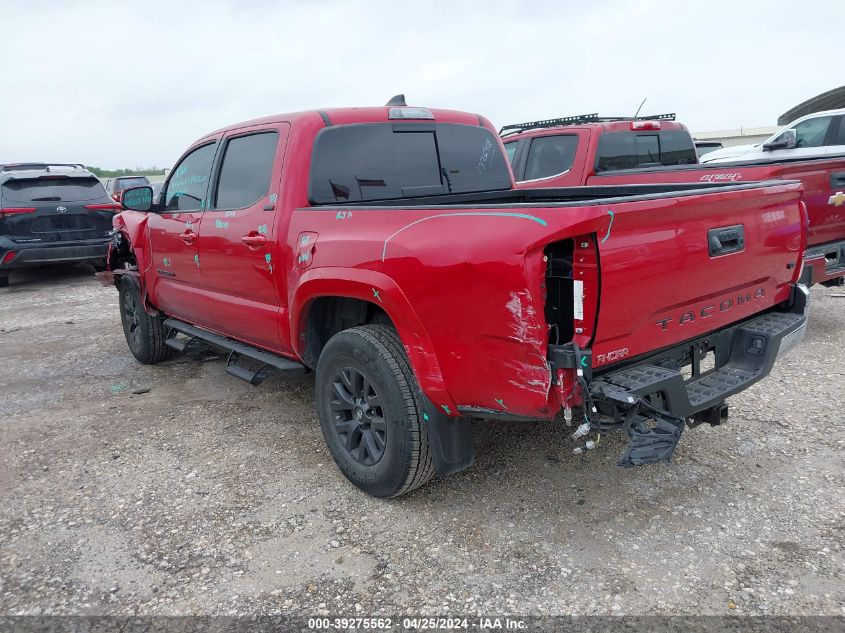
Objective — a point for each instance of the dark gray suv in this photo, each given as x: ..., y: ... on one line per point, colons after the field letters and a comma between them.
x: 52, y: 213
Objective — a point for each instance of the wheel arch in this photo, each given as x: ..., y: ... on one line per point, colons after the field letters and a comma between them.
x: 349, y: 295
x: 130, y: 245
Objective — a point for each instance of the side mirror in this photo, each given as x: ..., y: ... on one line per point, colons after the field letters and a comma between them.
x: 137, y: 198
x: 788, y: 139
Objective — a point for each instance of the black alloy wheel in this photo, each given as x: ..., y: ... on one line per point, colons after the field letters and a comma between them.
x: 358, y: 416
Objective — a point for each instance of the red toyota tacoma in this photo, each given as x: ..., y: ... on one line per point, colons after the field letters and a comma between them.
x: 597, y: 151
x: 387, y: 249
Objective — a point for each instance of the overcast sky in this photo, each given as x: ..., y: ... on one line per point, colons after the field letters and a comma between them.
x: 132, y: 84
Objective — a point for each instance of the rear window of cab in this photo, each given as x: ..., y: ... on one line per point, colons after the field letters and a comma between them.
x: 629, y: 150
x: 383, y: 161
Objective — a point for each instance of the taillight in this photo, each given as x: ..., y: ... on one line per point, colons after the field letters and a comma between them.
x: 108, y: 206
x: 645, y: 125
x: 116, y: 196
x: 8, y: 257
x: 16, y: 210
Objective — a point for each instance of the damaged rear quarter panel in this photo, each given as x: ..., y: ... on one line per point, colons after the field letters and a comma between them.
x: 474, y: 280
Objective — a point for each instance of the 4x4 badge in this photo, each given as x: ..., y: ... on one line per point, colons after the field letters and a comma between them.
x: 61, y: 209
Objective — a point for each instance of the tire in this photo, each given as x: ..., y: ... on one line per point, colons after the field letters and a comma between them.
x: 4, y: 281
x: 378, y: 442
x: 145, y: 334
x: 99, y: 265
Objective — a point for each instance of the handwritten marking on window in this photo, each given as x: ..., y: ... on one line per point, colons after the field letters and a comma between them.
x: 487, y: 152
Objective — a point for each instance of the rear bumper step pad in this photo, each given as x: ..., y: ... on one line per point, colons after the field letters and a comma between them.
x: 747, y: 352
x: 755, y: 346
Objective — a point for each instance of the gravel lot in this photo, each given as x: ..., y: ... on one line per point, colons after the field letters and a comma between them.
x: 176, y: 489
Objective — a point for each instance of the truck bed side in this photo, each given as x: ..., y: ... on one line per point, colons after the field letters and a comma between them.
x: 821, y: 178
x: 635, y: 274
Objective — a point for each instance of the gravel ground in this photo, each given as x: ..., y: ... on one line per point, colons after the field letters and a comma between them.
x: 176, y: 489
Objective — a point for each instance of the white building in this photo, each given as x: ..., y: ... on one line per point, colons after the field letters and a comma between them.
x: 742, y: 136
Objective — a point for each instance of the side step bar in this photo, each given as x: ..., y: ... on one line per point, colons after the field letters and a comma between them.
x: 269, y: 362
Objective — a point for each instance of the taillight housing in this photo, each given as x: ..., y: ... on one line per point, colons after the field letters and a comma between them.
x: 645, y: 125
x: 8, y: 257
x: 16, y: 210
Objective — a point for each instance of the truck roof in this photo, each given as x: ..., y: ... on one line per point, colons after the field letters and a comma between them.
x: 591, y: 121
x: 367, y: 114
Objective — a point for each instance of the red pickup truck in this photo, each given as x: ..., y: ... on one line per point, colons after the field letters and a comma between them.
x: 597, y: 151
x: 387, y: 249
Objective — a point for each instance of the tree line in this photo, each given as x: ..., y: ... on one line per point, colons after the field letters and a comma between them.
x: 114, y: 173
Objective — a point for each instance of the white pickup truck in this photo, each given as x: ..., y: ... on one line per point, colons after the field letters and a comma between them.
x: 811, y: 136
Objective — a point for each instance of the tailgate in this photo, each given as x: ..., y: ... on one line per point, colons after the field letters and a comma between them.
x: 57, y: 222
x: 677, y: 268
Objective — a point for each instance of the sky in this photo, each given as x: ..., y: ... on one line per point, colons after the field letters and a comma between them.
x: 118, y: 85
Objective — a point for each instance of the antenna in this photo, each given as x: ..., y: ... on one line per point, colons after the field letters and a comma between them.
x: 398, y: 100
x: 640, y: 108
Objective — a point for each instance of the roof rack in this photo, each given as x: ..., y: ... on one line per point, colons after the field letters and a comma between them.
x: 578, y: 120
x: 45, y: 166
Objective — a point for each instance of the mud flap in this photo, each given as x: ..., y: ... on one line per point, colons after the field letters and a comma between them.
x: 449, y: 440
x: 650, y: 445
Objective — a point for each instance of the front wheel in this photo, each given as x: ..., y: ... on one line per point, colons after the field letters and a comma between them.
x: 370, y: 411
x: 145, y: 334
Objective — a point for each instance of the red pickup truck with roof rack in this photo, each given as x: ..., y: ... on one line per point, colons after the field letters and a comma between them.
x: 596, y: 151
x: 387, y: 249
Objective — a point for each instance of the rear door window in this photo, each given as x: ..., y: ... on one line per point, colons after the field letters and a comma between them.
x: 186, y: 189
x: 59, y: 189
x: 629, y: 150
x: 550, y: 156
x: 246, y: 170
x: 383, y: 161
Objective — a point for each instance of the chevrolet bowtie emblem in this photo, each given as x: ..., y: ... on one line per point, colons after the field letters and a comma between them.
x: 837, y: 200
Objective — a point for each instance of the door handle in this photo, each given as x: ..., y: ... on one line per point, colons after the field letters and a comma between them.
x: 726, y: 240
x: 189, y: 237
x: 837, y: 179
x: 254, y: 240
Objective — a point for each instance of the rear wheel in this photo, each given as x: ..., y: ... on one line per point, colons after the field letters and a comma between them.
x: 145, y: 334
x: 4, y: 281
x: 370, y: 411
